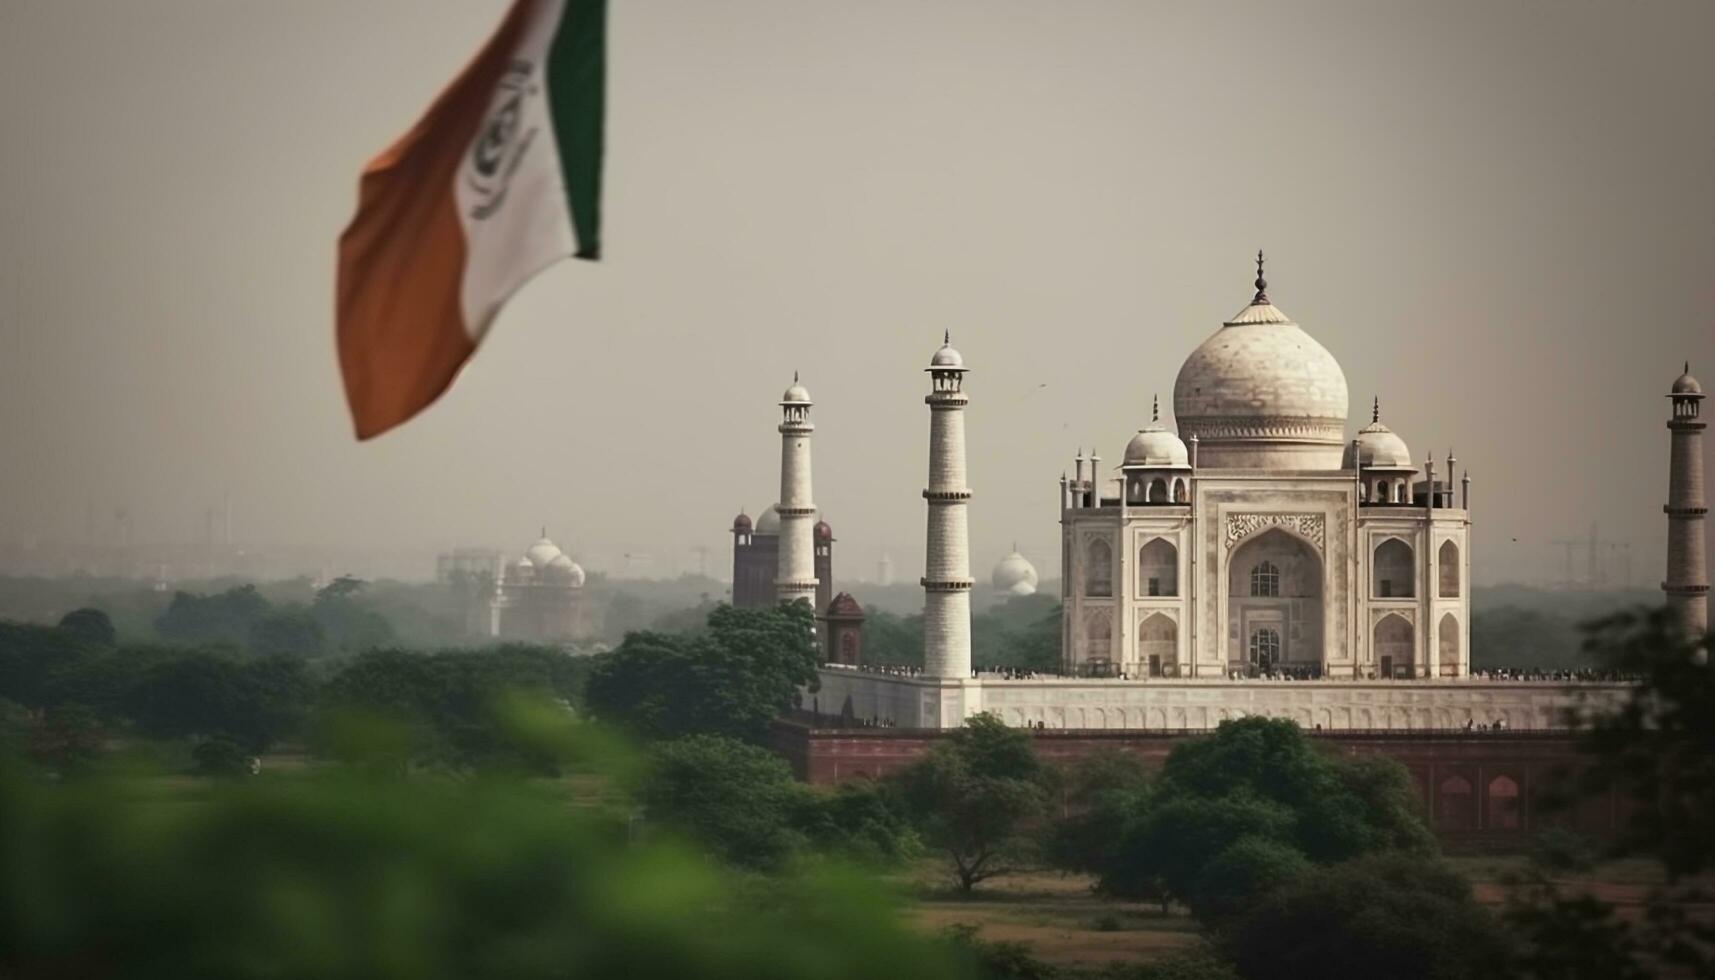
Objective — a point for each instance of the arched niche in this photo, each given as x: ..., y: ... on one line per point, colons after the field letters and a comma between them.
x: 1158, y: 568
x: 1392, y: 570
x: 1274, y: 581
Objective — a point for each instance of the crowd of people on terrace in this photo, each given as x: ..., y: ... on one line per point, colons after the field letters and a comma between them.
x: 1284, y: 672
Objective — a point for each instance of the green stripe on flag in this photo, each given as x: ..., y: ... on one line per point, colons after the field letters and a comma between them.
x: 577, y: 70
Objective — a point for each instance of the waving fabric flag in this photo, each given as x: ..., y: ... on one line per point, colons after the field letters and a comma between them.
x: 498, y: 180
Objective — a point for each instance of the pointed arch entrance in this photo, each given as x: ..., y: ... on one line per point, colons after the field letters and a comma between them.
x: 1274, y: 604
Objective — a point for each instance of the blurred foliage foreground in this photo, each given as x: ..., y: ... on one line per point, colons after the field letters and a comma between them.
x: 353, y: 870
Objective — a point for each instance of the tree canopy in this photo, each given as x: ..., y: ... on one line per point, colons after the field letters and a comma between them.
x: 732, y: 678
x: 1657, y: 749
x: 1391, y: 915
x: 1260, y: 789
x: 974, y: 794
x: 90, y: 625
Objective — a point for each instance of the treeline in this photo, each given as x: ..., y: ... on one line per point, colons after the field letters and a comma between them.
x: 673, y: 842
x: 69, y: 691
x: 1021, y: 631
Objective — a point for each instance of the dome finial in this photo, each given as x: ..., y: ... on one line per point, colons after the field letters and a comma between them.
x: 794, y: 377
x: 1376, y: 409
x: 1261, y: 298
x: 544, y: 530
x: 1155, y: 409
x: 947, y: 335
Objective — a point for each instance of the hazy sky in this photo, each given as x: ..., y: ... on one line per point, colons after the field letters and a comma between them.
x: 1497, y: 215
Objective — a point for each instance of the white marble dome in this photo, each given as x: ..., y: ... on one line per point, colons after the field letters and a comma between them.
x: 523, y: 569
x: 1262, y: 394
x: 1155, y: 446
x: 1380, y: 448
x: 1015, y: 575
x: 769, y: 522
x: 542, y: 552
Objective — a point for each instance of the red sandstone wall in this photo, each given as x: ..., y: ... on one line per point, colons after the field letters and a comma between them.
x: 1477, y: 787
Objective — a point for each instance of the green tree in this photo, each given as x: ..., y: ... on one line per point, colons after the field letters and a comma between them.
x: 290, y: 631
x: 1098, y: 793
x: 1392, y: 915
x: 92, y: 626
x: 735, y: 799
x: 733, y: 678
x: 1657, y: 750
x: 66, y: 739
x: 859, y: 820
x: 974, y: 795
x: 207, y: 694
x: 224, y: 618
x: 36, y: 660
x: 1022, y: 631
x: 350, y: 624
x: 451, y: 704
x: 1246, y: 868
x: 889, y: 638
x: 331, y: 876
x: 1258, y: 778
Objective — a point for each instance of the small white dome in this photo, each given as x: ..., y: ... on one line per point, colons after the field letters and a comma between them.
x: 1155, y: 446
x: 769, y: 522
x: 947, y: 357
x: 523, y: 569
x: 1379, y: 448
x: 565, y: 571
x: 1685, y: 384
x: 796, y: 395
x: 1015, y: 575
x: 542, y: 552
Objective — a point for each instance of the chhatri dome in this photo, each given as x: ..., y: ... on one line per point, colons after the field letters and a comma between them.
x: 1015, y: 575
x: 1154, y: 445
x: 797, y: 394
x: 1379, y: 448
x: 947, y: 357
x: 1262, y: 394
x: 1685, y: 384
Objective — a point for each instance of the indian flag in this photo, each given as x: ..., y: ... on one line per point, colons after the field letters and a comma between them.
x: 498, y: 180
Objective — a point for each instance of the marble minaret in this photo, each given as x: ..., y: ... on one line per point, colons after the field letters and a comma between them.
x: 947, y: 562
x: 796, y: 577
x: 1687, y: 584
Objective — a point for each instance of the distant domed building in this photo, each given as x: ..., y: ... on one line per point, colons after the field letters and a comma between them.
x: 1014, y: 575
x: 756, y: 560
x: 539, y: 598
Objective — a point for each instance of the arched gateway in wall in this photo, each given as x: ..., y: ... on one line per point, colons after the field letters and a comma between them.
x: 1274, y: 603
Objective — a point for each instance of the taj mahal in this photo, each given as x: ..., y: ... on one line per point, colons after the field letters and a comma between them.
x: 1251, y: 559
x: 1257, y: 540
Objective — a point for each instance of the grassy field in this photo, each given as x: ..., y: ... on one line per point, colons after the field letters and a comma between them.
x: 1057, y: 916
x: 1065, y: 923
